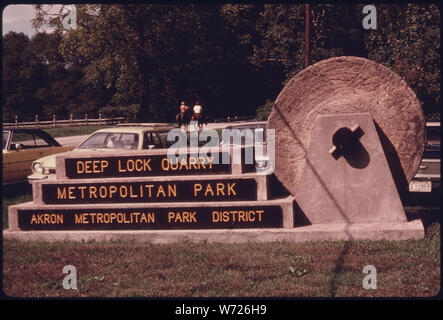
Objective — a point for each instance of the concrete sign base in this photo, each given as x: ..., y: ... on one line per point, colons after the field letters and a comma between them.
x: 320, y: 232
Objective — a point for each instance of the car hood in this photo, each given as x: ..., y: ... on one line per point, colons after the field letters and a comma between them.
x: 49, y: 161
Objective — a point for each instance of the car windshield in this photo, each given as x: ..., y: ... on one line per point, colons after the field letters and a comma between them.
x: 111, y: 140
x: 5, y: 139
x: 245, y: 135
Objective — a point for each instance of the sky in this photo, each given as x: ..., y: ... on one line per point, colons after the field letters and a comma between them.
x: 17, y: 17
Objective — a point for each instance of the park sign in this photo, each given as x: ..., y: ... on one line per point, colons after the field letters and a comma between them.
x: 348, y: 134
x: 153, y: 218
x: 152, y: 190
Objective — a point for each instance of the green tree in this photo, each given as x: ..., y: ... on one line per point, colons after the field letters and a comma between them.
x: 273, y: 35
x: 407, y: 40
x: 232, y: 58
x: 37, y: 79
x: 21, y: 77
x: 56, y: 92
x: 138, y: 49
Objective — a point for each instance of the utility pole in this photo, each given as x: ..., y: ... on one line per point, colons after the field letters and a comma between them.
x: 308, y: 25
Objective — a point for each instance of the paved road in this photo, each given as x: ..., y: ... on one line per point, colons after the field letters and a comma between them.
x: 70, y: 141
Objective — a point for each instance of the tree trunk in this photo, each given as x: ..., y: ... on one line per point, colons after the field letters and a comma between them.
x: 143, y: 112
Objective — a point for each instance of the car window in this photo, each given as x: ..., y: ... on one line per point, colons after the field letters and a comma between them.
x: 39, y: 142
x: 5, y: 139
x: 28, y: 140
x: 164, y: 138
x: 129, y: 141
x: 151, y: 138
x: 157, y: 141
x: 111, y: 140
x: 94, y: 141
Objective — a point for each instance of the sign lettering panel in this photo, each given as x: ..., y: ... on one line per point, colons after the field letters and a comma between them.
x: 141, y: 166
x: 136, y: 192
x: 152, y: 218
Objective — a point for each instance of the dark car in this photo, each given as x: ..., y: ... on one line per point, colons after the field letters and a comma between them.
x: 21, y: 147
x: 427, y: 177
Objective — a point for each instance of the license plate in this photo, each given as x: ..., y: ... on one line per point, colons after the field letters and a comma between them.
x: 420, y: 186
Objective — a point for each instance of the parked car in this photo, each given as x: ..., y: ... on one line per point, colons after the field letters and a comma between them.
x: 120, y: 137
x: 252, y: 126
x: 432, y: 147
x: 248, y: 139
x: 427, y: 177
x: 21, y: 147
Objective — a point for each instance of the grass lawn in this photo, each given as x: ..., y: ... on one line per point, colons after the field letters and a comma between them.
x: 409, y: 268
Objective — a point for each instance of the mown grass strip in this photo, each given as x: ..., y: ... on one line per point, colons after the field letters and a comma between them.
x: 409, y: 268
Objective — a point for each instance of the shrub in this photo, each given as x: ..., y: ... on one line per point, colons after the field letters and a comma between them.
x: 263, y: 112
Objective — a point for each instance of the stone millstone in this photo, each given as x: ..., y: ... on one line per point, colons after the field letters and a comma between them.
x: 347, y: 85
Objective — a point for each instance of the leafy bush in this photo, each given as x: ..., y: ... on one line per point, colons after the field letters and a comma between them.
x: 263, y: 112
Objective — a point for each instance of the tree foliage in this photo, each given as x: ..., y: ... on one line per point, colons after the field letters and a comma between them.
x: 18, y: 75
x: 233, y: 58
x: 38, y: 79
x: 408, y: 41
